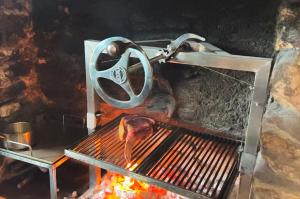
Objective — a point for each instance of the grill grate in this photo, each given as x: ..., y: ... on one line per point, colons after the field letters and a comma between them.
x: 106, y: 146
x: 198, y: 163
x: 186, y: 162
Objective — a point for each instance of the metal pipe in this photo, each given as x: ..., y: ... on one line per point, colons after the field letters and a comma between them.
x: 135, y: 67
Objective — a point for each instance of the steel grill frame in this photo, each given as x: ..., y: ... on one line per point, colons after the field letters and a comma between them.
x: 217, y: 58
x: 189, y: 163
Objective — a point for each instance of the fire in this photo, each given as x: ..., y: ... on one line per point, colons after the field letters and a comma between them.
x: 126, y: 187
x: 116, y: 186
x: 131, y: 167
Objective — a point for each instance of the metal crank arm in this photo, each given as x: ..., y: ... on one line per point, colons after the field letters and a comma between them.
x: 157, y: 58
x: 170, y: 50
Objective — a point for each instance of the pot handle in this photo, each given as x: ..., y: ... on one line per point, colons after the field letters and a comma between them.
x: 4, y: 138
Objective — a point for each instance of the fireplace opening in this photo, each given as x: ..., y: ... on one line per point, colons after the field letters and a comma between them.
x: 204, y: 109
x: 64, y: 29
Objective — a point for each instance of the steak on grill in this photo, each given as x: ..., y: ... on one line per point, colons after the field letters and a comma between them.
x: 133, y: 129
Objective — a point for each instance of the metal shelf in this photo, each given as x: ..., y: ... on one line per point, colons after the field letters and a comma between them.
x: 48, y: 152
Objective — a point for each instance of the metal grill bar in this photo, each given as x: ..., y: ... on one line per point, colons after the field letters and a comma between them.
x: 186, y: 162
x: 192, y: 163
x: 145, y: 151
x: 105, y: 145
x: 197, y: 163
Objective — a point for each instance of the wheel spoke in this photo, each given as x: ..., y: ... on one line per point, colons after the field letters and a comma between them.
x: 124, y: 60
x: 122, y: 63
x: 127, y: 87
x: 104, y: 74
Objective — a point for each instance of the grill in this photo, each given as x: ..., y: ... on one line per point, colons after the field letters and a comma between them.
x: 105, y: 145
x: 189, y: 163
x: 193, y: 164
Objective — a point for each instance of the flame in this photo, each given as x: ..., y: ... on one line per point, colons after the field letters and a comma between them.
x: 116, y: 186
x: 131, y: 167
x: 126, y: 187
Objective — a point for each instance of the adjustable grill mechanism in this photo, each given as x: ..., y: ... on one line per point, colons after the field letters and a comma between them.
x: 192, y: 164
x: 186, y: 162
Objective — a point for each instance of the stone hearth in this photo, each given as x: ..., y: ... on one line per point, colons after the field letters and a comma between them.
x: 42, y: 67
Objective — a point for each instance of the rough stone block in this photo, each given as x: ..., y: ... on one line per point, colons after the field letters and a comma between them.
x: 282, y: 155
x: 286, y: 79
x: 283, y: 121
x: 268, y: 184
x: 266, y: 190
x: 277, y: 172
x: 8, y: 109
x: 12, y: 90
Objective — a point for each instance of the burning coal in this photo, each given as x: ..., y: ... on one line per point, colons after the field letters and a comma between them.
x: 116, y: 186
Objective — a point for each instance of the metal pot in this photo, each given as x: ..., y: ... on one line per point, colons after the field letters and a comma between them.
x: 18, y: 136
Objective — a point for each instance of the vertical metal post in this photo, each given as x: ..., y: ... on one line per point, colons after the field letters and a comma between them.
x: 252, y: 136
x: 95, y: 176
x: 53, y: 182
x: 94, y: 172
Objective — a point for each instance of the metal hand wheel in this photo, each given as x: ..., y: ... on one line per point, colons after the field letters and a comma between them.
x: 118, y: 73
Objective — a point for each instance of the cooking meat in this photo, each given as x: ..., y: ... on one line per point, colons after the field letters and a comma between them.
x: 133, y: 129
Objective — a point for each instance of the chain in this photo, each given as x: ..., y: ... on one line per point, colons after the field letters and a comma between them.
x: 230, y: 77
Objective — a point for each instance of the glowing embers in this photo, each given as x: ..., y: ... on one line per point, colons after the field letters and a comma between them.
x: 116, y: 186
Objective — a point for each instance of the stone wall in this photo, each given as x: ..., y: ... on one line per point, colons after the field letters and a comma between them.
x: 44, y: 65
x: 277, y: 172
x: 20, y: 95
x: 61, y: 26
x: 237, y: 26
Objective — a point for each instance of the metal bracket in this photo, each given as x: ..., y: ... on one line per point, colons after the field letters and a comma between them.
x: 247, y: 163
